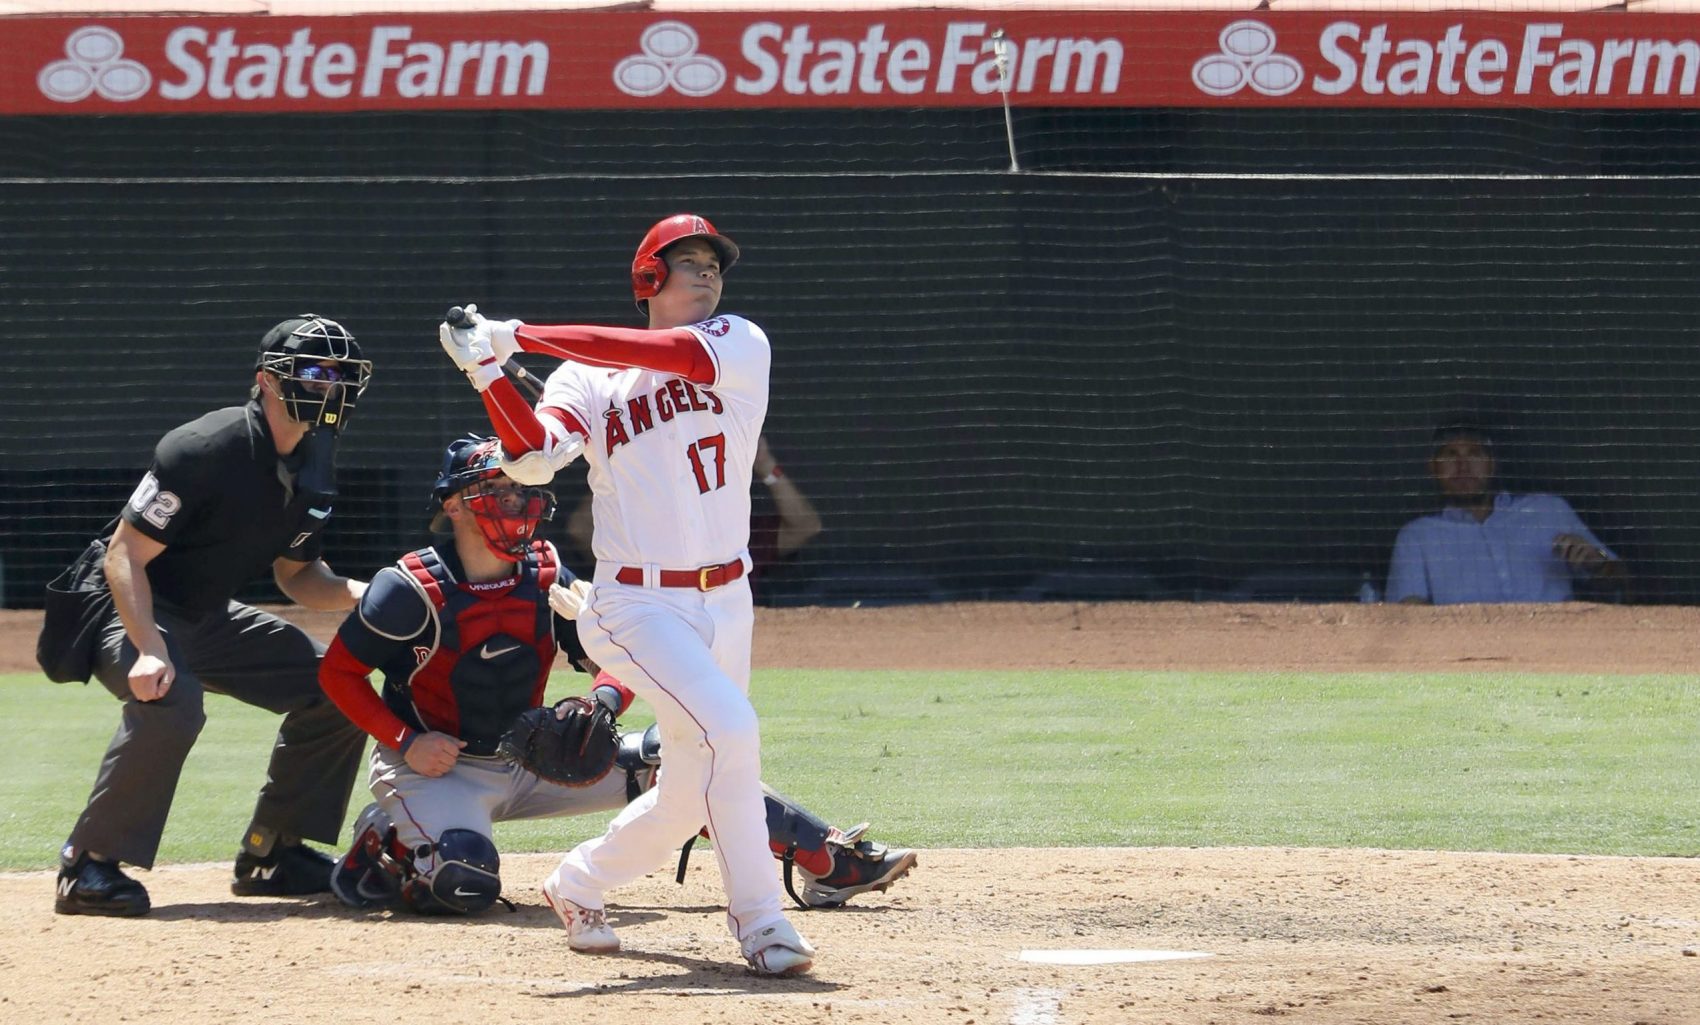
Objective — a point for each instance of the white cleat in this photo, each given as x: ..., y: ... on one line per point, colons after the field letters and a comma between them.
x: 779, y: 950
x: 587, y: 928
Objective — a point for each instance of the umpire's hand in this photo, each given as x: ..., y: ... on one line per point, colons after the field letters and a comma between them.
x: 151, y: 676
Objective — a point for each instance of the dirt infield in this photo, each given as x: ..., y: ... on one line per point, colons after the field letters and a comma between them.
x: 1315, y: 936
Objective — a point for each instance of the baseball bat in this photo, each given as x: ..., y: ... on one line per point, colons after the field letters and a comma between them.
x: 456, y: 317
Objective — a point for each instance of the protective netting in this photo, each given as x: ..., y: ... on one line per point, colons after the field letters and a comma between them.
x: 1185, y: 353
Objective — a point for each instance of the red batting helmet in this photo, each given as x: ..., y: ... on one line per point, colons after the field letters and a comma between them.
x: 649, y: 270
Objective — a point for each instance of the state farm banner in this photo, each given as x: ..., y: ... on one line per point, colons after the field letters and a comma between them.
x: 921, y: 58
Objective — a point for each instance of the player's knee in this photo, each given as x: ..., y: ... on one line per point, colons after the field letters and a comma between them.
x: 734, y: 727
x: 466, y: 880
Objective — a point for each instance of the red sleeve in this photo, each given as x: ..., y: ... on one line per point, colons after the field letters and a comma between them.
x: 344, y: 680
x: 516, y: 425
x: 672, y: 351
x: 566, y: 419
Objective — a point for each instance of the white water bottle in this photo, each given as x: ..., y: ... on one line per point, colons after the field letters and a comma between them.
x: 1367, y: 592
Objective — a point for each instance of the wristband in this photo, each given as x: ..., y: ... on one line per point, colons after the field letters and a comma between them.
x: 407, y: 742
x: 774, y: 476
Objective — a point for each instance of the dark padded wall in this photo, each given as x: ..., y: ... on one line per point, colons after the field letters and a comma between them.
x: 1068, y: 382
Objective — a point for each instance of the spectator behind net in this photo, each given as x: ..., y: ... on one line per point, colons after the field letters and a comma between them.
x: 1488, y: 545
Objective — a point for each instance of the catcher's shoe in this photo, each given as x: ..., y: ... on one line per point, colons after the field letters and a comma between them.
x: 90, y: 887
x: 290, y: 870
x: 588, y: 931
x: 779, y: 950
x: 858, y: 866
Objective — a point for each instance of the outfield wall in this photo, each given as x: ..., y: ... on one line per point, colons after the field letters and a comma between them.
x: 1156, y: 385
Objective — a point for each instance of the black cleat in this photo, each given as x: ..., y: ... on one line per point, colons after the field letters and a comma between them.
x: 292, y: 870
x: 90, y: 887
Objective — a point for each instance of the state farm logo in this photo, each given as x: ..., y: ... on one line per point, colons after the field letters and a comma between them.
x: 224, y: 65
x: 798, y: 59
x: 669, y: 58
x: 1247, y: 57
x: 94, y: 63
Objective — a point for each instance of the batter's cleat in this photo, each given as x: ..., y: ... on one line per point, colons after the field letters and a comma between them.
x: 779, y: 950
x: 90, y: 887
x: 588, y: 931
x: 290, y: 870
x: 858, y: 866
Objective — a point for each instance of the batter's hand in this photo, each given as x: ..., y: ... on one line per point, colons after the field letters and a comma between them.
x: 569, y: 601
x: 503, y: 340
x: 151, y: 676
x: 433, y: 754
x: 1578, y: 553
x: 457, y: 342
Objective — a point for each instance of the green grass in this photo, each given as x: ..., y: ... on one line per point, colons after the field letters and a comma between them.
x: 1534, y: 763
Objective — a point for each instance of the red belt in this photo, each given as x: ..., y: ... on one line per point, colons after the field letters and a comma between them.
x: 704, y: 579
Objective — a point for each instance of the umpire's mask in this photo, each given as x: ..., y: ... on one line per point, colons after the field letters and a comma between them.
x: 319, y: 369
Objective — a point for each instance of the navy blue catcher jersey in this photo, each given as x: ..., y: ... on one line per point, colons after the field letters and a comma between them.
x: 459, y: 657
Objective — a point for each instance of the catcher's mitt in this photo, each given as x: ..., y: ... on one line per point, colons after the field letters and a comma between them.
x: 573, y: 743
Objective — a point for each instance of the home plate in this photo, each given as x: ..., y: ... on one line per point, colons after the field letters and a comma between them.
x: 1108, y: 956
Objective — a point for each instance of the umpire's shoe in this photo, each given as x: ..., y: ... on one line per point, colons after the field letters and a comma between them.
x: 90, y: 887
x: 290, y: 870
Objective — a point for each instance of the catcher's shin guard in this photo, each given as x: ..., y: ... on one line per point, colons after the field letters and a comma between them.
x: 798, y: 838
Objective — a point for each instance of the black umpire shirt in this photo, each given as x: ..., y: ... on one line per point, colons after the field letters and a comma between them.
x: 216, y: 497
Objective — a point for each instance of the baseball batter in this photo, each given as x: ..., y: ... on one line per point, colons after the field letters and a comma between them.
x: 668, y: 420
x: 465, y: 634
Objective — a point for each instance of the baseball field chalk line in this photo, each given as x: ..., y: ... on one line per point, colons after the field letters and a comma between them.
x: 1086, y: 957
x: 1037, y: 1007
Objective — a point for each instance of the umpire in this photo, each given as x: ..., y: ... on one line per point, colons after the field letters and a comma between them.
x: 148, y: 611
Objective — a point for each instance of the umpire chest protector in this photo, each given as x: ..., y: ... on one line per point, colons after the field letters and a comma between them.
x: 490, y: 649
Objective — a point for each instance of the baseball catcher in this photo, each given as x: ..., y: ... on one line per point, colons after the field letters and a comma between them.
x: 465, y: 633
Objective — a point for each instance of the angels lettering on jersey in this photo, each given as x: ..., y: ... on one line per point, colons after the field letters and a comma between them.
x: 640, y: 412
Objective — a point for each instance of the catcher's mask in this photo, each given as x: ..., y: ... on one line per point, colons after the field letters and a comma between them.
x: 507, y: 514
x: 318, y: 367
x: 649, y: 266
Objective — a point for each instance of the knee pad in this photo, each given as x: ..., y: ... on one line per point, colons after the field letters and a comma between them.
x: 466, y: 880
x: 638, y: 750
x: 639, y: 755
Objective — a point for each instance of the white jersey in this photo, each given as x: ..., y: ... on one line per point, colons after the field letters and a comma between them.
x: 670, y: 461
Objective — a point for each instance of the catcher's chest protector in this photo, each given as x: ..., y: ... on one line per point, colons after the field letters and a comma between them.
x: 493, y: 650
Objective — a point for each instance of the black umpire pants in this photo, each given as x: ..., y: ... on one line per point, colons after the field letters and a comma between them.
x: 256, y: 658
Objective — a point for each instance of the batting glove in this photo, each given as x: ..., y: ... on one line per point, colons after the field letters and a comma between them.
x: 569, y: 601
x: 502, y: 340
x: 457, y: 342
x: 487, y: 369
